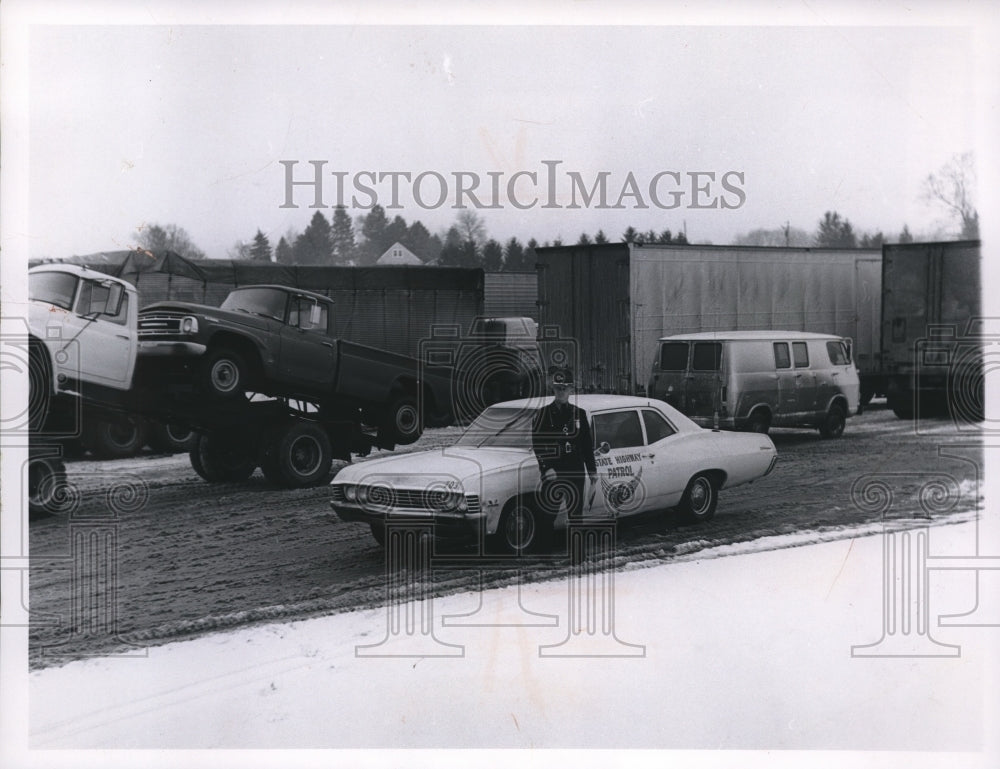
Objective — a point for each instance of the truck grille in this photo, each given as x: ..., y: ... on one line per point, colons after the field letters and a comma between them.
x: 160, y: 324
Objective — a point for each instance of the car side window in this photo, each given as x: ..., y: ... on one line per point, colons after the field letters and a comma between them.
x: 620, y: 429
x: 781, y: 356
x: 657, y: 428
x: 801, y: 354
x: 838, y: 353
x: 300, y: 315
x: 94, y: 297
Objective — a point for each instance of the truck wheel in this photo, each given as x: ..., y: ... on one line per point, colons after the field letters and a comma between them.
x: 220, y: 458
x: 39, y: 385
x: 833, y: 423
x: 172, y: 438
x: 46, y: 475
x: 300, y: 455
x: 224, y: 373
x: 114, y: 440
x: 403, y: 420
x: 700, y: 499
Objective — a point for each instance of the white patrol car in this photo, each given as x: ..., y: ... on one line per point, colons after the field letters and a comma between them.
x: 649, y: 457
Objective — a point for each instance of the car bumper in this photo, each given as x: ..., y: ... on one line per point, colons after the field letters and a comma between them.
x: 445, y: 525
x: 171, y: 348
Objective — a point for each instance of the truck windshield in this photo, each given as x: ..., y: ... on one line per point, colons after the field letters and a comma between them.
x: 268, y: 302
x: 56, y: 288
x: 500, y: 426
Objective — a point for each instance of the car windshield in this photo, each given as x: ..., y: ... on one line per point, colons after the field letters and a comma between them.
x: 500, y: 426
x: 56, y: 288
x: 269, y: 302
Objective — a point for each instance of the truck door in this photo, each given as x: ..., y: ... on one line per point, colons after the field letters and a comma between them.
x: 308, y: 349
x: 106, y: 343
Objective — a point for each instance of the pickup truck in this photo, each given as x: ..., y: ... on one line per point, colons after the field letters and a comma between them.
x: 282, y: 342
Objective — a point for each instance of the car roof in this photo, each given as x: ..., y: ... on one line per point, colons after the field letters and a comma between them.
x: 593, y: 402
x: 79, y: 271
x: 768, y: 335
x: 286, y: 289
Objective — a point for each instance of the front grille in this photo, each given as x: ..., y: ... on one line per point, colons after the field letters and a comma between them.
x: 160, y: 324
x: 381, y: 498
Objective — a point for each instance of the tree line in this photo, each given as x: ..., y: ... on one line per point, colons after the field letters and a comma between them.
x: 362, y: 241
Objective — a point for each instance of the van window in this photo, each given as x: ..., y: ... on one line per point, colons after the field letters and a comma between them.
x: 657, y: 428
x: 706, y: 356
x: 838, y: 353
x: 781, y: 357
x: 620, y: 429
x: 801, y: 353
x: 674, y: 356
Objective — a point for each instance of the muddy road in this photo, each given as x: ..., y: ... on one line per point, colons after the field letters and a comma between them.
x: 144, y: 552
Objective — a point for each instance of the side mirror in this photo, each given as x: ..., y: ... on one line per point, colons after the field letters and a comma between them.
x: 604, y: 448
x: 116, y: 295
x: 314, y: 315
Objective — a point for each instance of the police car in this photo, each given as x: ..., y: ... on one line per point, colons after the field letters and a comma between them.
x: 487, y: 486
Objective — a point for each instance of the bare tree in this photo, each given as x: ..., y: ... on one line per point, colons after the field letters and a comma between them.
x: 471, y: 227
x: 169, y: 237
x: 954, y: 187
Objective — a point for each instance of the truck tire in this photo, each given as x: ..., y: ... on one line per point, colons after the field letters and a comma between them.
x: 833, y: 423
x: 298, y: 455
x: 171, y: 438
x: 39, y: 385
x: 403, y: 422
x: 224, y: 374
x: 114, y: 439
x: 46, y: 477
x: 222, y: 458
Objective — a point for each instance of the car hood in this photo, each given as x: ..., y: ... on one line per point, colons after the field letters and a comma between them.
x: 205, y: 311
x: 417, y: 469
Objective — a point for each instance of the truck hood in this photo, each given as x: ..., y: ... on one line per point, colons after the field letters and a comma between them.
x: 419, y: 469
x: 205, y: 311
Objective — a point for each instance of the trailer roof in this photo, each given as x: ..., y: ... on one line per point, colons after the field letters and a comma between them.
x: 768, y: 335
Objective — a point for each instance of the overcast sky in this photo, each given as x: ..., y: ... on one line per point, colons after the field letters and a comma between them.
x: 174, y: 123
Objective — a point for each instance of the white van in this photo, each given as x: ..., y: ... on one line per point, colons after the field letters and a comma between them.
x: 755, y: 380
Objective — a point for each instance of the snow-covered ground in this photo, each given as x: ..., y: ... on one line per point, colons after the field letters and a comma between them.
x: 725, y: 651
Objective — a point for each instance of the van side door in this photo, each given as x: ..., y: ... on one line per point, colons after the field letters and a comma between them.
x: 788, y: 397
x: 805, y: 378
x: 703, y: 390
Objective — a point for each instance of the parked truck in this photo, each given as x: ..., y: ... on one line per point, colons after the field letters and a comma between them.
x: 932, y: 330
x: 617, y: 300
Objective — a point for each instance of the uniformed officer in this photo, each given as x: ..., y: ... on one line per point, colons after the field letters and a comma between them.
x: 562, y: 443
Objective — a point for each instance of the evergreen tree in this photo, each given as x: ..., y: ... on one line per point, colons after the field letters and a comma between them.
x: 872, y: 241
x: 342, y: 236
x: 314, y: 245
x: 665, y: 237
x: 396, y: 231
x: 834, y: 232
x: 451, y: 251
x: 514, y: 259
x: 530, y: 257
x: 421, y: 242
x: 584, y: 239
x: 905, y: 236
x: 600, y: 237
x: 681, y: 239
x: 260, y: 251
x: 283, y: 252
x: 492, y: 256
x: 630, y: 235
x: 374, y: 229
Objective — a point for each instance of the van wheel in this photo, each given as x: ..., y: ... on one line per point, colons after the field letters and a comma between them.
x: 759, y: 422
x: 700, y: 499
x: 833, y: 423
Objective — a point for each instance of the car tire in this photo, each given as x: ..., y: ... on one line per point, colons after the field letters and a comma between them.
x: 224, y: 374
x: 39, y: 385
x: 700, y: 499
x: 833, y: 423
x: 759, y: 421
x: 46, y: 479
x: 114, y: 439
x: 522, y: 529
x: 403, y: 421
x: 299, y: 455
x: 223, y: 458
x: 171, y: 438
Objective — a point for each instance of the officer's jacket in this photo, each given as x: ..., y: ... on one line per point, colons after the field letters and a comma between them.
x: 561, y: 438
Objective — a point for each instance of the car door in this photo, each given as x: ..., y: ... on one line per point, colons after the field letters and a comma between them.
x: 308, y: 351
x: 625, y: 470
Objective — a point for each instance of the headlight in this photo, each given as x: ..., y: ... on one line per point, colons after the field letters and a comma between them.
x: 442, y: 499
x: 189, y: 325
x: 350, y: 493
